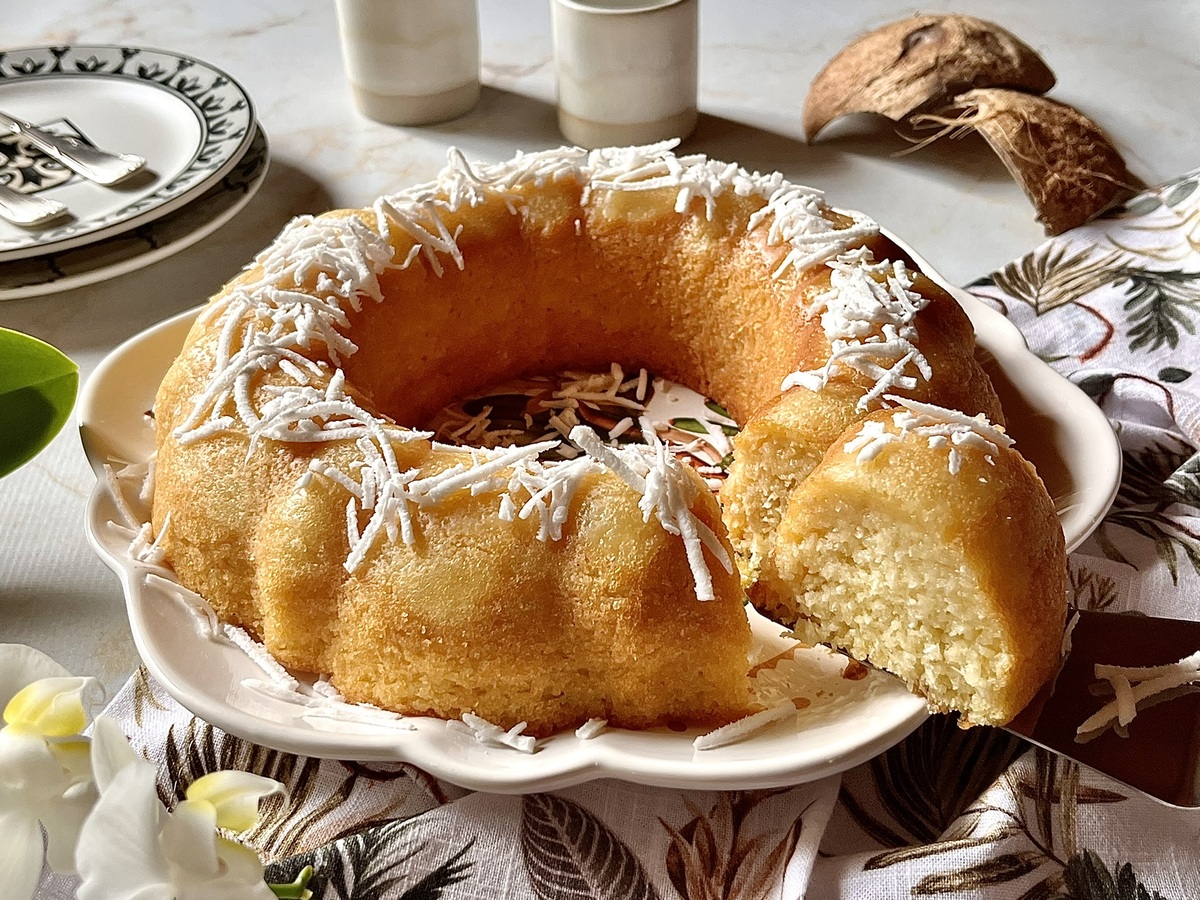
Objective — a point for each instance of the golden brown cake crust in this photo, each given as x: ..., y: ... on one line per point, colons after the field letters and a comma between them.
x: 455, y: 286
x: 988, y: 523
x: 277, y: 442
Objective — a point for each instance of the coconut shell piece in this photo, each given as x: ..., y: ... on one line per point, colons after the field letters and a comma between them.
x: 921, y: 63
x: 1064, y: 162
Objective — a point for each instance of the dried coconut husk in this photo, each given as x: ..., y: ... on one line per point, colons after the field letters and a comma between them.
x: 1064, y: 162
x: 921, y: 63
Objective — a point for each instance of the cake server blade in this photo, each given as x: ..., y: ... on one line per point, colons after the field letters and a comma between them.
x: 92, y: 163
x: 1161, y: 755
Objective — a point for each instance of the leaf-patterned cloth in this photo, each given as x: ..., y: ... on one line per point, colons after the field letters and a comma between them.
x: 1114, y: 306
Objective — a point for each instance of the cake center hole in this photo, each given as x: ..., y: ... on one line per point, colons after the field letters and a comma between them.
x: 617, y: 404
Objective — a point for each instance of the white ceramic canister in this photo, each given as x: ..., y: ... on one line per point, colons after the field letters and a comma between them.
x: 411, y: 62
x: 626, y: 70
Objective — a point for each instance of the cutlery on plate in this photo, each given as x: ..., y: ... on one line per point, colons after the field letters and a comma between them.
x: 1161, y: 755
x: 92, y: 163
x: 26, y: 209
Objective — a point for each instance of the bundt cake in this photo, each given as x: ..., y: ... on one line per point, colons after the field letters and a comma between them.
x: 294, y: 491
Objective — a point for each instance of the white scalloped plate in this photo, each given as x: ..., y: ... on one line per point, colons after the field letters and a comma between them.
x: 850, y: 721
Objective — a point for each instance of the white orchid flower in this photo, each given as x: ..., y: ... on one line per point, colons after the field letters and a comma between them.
x: 131, y: 848
x: 45, y: 772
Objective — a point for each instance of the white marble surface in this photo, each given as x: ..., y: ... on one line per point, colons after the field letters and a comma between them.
x: 1132, y: 66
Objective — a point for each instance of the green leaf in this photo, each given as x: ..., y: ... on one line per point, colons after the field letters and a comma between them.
x: 1172, y: 375
x: 695, y: 426
x: 37, y: 392
x: 1088, y: 878
x: 1160, y: 304
x: 716, y: 407
x: 295, y: 890
x: 687, y: 423
x: 916, y: 791
x: 1096, y: 386
x: 1053, y: 276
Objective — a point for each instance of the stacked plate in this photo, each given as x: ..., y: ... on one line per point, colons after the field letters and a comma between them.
x: 205, y: 155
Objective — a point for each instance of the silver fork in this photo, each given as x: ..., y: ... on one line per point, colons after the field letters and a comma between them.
x: 26, y: 209
x: 92, y: 163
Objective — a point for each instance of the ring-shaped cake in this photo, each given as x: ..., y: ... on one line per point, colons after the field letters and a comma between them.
x: 295, y: 493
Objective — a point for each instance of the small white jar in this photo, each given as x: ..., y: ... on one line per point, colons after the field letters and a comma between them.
x: 625, y: 69
x: 411, y: 62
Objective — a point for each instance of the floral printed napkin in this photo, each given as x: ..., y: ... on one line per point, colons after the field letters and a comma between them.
x: 1114, y: 306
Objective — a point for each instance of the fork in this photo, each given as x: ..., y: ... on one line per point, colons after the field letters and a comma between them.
x: 92, y: 163
x: 26, y: 209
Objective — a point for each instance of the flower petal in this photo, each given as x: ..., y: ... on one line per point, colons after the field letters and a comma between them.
x: 239, y: 862
x: 75, y: 757
x: 118, y: 855
x: 235, y: 796
x: 240, y: 878
x: 21, y: 665
x: 63, y: 820
x: 111, y: 751
x: 189, y: 838
x: 28, y: 766
x: 20, y: 854
x: 51, y: 706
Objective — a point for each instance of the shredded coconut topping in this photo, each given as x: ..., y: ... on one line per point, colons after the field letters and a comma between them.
x: 1134, y: 685
x: 261, y: 657
x: 283, y: 333
x: 317, y: 704
x: 869, y: 316
x: 744, y: 727
x: 591, y: 728
x: 941, y: 427
x: 493, y: 735
x: 667, y: 494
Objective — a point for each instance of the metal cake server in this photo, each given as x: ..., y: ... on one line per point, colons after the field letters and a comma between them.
x: 26, y: 209
x: 1161, y: 755
x: 92, y: 163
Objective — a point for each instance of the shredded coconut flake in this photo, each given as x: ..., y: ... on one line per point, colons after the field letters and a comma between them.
x: 261, y: 657
x: 148, y: 549
x: 204, y: 617
x: 869, y: 317
x: 114, y: 488
x: 492, y: 735
x: 318, y: 705
x: 1133, y: 685
x: 744, y: 727
x: 590, y: 729
x: 942, y: 428
x: 1068, y: 633
x: 667, y: 494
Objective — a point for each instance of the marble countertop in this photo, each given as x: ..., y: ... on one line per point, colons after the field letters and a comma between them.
x: 1130, y: 66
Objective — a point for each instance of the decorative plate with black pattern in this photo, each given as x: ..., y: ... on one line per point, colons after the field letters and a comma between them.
x: 191, y: 122
x: 56, y: 270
